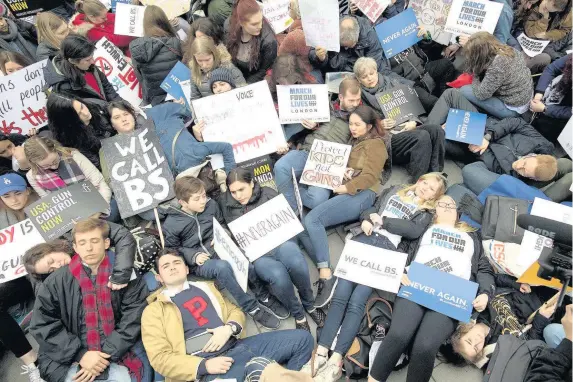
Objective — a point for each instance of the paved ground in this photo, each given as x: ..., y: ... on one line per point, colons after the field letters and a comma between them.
x: 10, y: 368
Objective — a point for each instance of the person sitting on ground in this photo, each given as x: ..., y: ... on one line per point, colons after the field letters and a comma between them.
x: 75, y: 307
x: 204, y: 26
x: 17, y: 36
x: 549, y: 20
x: 12, y: 157
x: 52, y: 30
x: 185, y: 344
x: 11, y: 62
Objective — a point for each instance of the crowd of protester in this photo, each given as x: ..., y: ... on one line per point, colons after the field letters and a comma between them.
x: 96, y: 318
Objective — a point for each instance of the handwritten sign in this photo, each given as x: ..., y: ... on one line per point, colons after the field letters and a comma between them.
x: 372, y: 8
x: 229, y: 117
x: 129, y: 20
x: 440, y: 292
x: 172, y: 83
x: 320, y: 22
x: 371, y: 266
x: 299, y: 102
x: 277, y: 14
x: 172, y: 8
x: 565, y: 139
x: 326, y: 164
x: 400, y: 104
x: 266, y: 227
x: 140, y: 175
x: 228, y: 251
x: 465, y: 126
x: 14, y: 242
x: 470, y: 16
x: 398, y: 33
x: 432, y: 14
x: 262, y: 170
x: 530, y: 46
x: 55, y: 213
x: 111, y: 61
x: 22, y: 101
x: 25, y: 8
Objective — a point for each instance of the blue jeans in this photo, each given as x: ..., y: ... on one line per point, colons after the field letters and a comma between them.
x: 493, y: 106
x: 477, y: 177
x: 340, y: 209
x: 503, y: 28
x: 291, y: 348
x: 311, y: 196
x: 148, y: 372
x: 223, y: 273
x: 117, y: 373
x: 291, y: 129
x: 282, y: 268
x: 553, y: 335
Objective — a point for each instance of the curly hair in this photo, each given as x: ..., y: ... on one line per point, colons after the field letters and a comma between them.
x: 480, y: 51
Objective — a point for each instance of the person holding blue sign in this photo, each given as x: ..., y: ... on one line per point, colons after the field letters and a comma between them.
x: 450, y: 246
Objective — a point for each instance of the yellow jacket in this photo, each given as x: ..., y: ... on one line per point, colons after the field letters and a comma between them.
x: 163, y: 337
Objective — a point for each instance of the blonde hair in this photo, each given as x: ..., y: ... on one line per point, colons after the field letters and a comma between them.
x: 460, y: 225
x: 427, y: 204
x: 156, y: 23
x: 363, y: 65
x: 546, y: 167
x: 38, y: 148
x: 46, y: 25
x: 294, y: 11
x: 90, y: 7
x: 202, y: 45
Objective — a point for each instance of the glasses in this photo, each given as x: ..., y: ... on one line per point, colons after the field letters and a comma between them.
x: 449, y: 206
x: 54, y: 163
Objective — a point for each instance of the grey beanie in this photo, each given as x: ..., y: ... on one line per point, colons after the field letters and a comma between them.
x: 221, y: 74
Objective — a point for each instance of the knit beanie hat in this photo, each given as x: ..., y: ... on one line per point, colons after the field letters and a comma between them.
x: 221, y: 74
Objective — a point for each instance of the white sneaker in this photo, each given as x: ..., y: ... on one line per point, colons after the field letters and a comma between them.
x: 33, y: 373
x: 319, y: 360
x: 330, y: 373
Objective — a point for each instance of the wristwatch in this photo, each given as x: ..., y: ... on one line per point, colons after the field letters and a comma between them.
x: 487, y: 137
x: 234, y: 327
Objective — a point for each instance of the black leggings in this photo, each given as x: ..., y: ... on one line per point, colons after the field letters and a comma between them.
x: 427, y: 328
x: 11, y: 335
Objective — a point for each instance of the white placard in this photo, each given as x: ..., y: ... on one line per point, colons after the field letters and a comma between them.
x: 266, y: 227
x: 172, y: 8
x: 565, y: 139
x: 276, y: 12
x: 22, y: 101
x: 532, y: 244
x: 371, y: 266
x: 111, y: 61
x: 129, y: 20
x: 14, y: 242
x: 530, y: 46
x: 372, y: 8
x: 297, y: 194
x: 244, y: 117
x: 228, y: 251
x: 432, y: 16
x: 326, y: 164
x: 299, y: 102
x: 470, y: 16
x: 321, y: 23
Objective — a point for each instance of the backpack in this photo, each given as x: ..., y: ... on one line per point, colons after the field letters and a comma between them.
x: 148, y: 247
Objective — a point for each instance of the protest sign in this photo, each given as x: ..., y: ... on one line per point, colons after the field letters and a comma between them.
x: 14, y: 242
x: 22, y: 101
x: 111, y: 61
x: 55, y: 213
x: 172, y: 8
x: 228, y: 251
x: 172, y: 83
x: 333, y: 80
x: 565, y: 139
x: 371, y: 266
x: 299, y: 102
x: 465, y: 126
x: 530, y: 46
x: 262, y: 170
x: 400, y: 104
x: 25, y: 8
x: 398, y: 33
x: 297, y: 194
x: 113, y: 3
x: 432, y: 15
x: 471, y: 16
x: 140, y: 175
x: 229, y: 117
x: 440, y: 291
x: 277, y: 14
x: 320, y: 23
x: 372, y: 8
x: 326, y: 164
x: 266, y: 227
x: 129, y: 20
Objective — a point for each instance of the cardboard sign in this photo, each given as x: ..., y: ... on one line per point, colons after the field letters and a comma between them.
x: 400, y: 104
x: 371, y: 266
x: 172, y: 83
x: 129, y: 20
x: 530, y: 46
x: 470, y: 16
x: 266, y: 227
x: 172, y: 8
x: 262, y: 170
x: 277, y: 14
x: 228, y: 251
x: 111, y: 61
x: 326, y: 164
x: 440, y: 291
x: 398, y: 33
x: 14, y: 242
x: 465, y: 126
x: 320, y: 22
x: 55, y: 213
x: 297, y: 194
x: 565, y: 139
x: 372, y: 8
x: 432, y: 14
x: 22, y: 101
x: 334, y: 79
x: 140, y: 175
x: 299, y: 102
x: 230, y: 117
x: 25, y: 8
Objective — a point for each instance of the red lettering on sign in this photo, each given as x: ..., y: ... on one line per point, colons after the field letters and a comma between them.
x: 196, y: 306
x: 9, y: 128
x: 35, y: 117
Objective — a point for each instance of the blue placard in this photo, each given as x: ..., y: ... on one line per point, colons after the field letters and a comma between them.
x: 440, y: 291
x: 170, y: 84
x: 465, y: 126
x: 398, y: 33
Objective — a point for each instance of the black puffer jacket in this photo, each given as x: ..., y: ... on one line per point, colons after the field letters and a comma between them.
x: 233, y: 210
x: 410, y: 64
x: 152, y: 59
x: 58, y: 322
x: 45, y: 50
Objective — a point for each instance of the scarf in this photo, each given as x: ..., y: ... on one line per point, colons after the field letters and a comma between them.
x: 68, y: 172
x: 15, y: 39
x: 97, y: 305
